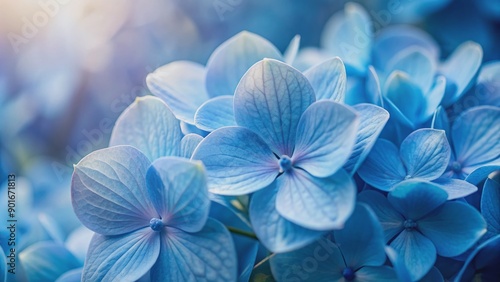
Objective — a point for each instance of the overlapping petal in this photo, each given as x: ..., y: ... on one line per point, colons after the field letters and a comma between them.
x: 490, y: 205
x: 455, y: 188
x: 325, y: 137
x: 328, y: 80
x: 148, y: 125
x: 188, y: 144
x: 406, y: 95
x: 376, y: 273
x: 316, y: 203
x: 270, y: 100
x: 178, y: 189
x: 237, y: 160
x: 108, y: 191
x: 215, y: 113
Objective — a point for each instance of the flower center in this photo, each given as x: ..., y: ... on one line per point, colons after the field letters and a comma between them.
x: 348, y: 274
x: 156, y: 224
x: 285, y: 163
x: 456, y: 167
x: 409, y: 224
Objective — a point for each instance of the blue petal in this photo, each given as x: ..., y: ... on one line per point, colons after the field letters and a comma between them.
x: 373, y: 89
x: 348, y: 34
x: 229, y: 62
x: 455, y: 188
x: 480, y: 174
x: 270, y: 100
x: 417, y: 63
x: 78, y: 242
x: 375, y: 274
x: 74, y: 275
x: 124, y: 257
x: 425, y: 153
x: 460, y: 70
x: 362, y: 239
x: 292, y: 50
x: 398, y: 265
x: 484, y: 260
x: 490, y: 205
x: 383, y: 167
x: 188, y: 144
x: 416, y: 251
x: 328, y: 80
x: 319, y: 261
x: 275, y: 232
x: 309, y: 57
x: 247, y: 250
x: 398, y: 126
x: 393, y: 39
x: 372, y: 121
x: 45, y: 261
x: 453, y: 228
x: 149, y: 125
x: 406, y: 96
x: 390, y: 219
x: 207, y: 255
x: 476, y: 136
x: 325, y: 137
x: 316, y: 203
x: 215, y: 113
x: 237, y: 160
x: 434, y: 97
x: 178, y: 190
x: 416, y: 199
x: 108, y: 191
x: 3, y: 264
x: 192, y: 129
x: 181, y: 85
x: 488, y: 85
x: 440, y: 121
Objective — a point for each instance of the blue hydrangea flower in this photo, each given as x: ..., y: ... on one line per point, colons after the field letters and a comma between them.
x: 424, y: 155
x: 354, y: 253
x: 475, y: 140
x: 185, y: 86
x: 149, y: 217
x: 288, y: 148
x: 419, y: 223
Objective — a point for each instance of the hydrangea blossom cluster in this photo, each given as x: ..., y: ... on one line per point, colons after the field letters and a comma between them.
x: 347, y: 162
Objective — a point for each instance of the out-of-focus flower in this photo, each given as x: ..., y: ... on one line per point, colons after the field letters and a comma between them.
x: 149, y: 216
x: 424, y: 155
x: 288, y: 148
x: 419, y: 223
x: 354, y: 253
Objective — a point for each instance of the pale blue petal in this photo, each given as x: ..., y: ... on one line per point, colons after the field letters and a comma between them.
x: 292, y: 50
x: 417, y: 63
x: 238, y: 161
x: 393, y: 39
x: 373, y: 88
x: 406, y: 96
x: 476, y: 136
x: 460, y: 69
x: 229, y: 62
x: 181, y: 85
x: 488, y: 85
x: 192, y: 129
x: 349, y: 35
x: 74, y: 275
x: 316, y: 203
x: 309, y: 57
x: 434, y: 97
x: 375, y: 274
x: 372, y: 121
x: 453, y: 228
x: 215, y: 113
x: 46, y: 261
x: 490, y: 205
x: 416, y: 251
x: 383, y: 167
x: 319, y: 261
x: 270, y: 100
x: 425, y: 153
x: 207, y: 255
x: 148, y: 125
x: 78, y: 242
x: 108, y: 191
x: 328, y: 80
x: 455, y: 188
x: 325, y: 138
x: 275, y: 232
x: 362, y: 239
x: 389, y: 218
x: 440, y: 121
x: 189, y: 143
x: 178, y: 189
x: 416, y: 199
x: 398, y: 265
x: 121, y: 258
x: 399, y: 126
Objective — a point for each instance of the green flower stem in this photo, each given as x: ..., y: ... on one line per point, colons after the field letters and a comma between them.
x: 241, y: 232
